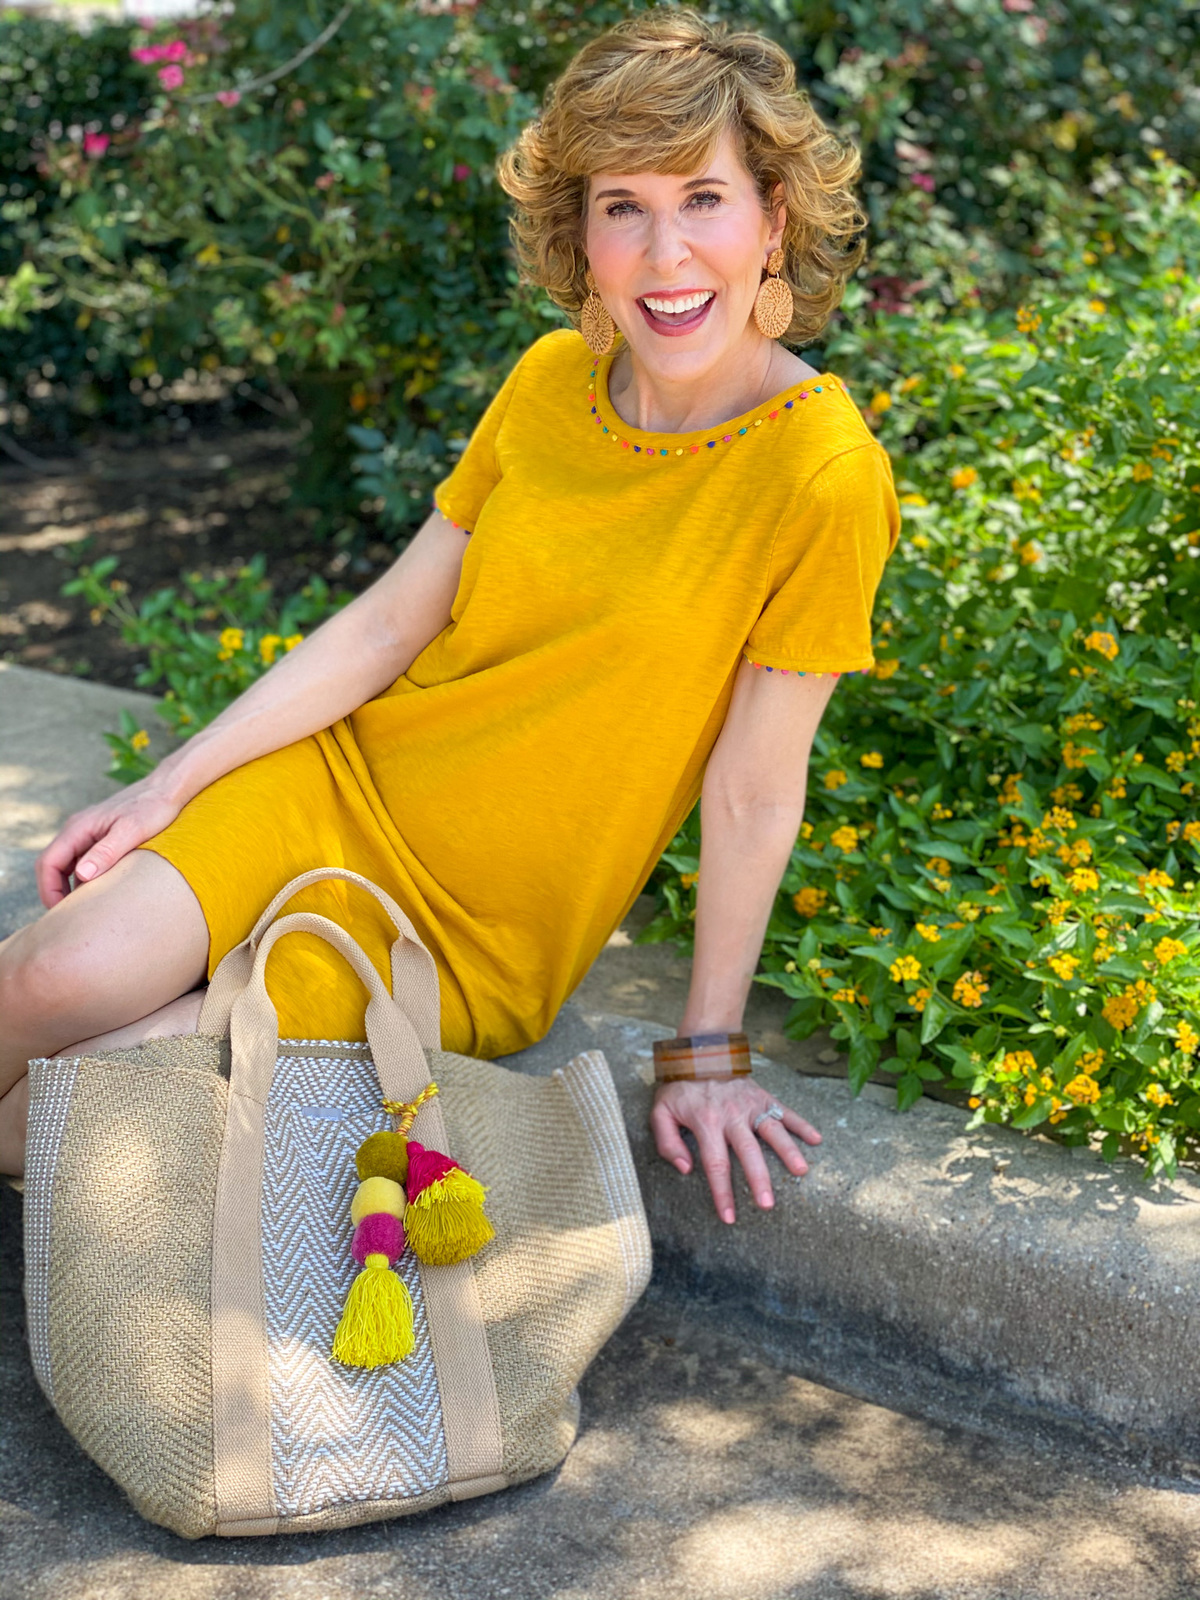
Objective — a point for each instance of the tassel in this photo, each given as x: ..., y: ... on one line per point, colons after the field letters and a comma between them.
x: 377, y: 1324
x: 444, y: 1220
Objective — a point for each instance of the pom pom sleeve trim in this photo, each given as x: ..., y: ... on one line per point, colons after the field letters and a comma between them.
x: 823, y: 670
x: 453, y: 521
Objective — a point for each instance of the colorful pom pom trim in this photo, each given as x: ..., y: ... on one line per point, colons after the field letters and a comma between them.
x: 407, y: 1197
x: 655, y: 452
x: 795, y: 672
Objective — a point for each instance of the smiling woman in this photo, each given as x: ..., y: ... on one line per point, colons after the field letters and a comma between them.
x: 506, y: 731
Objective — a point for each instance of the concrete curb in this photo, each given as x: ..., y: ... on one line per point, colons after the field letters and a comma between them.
x: 917, y: 1264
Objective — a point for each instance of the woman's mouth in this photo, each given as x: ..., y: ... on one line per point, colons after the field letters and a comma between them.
x: 676, y: 314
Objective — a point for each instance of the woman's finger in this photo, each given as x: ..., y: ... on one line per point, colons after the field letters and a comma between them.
x: 749, y: 1153
x: 123, y: 836
x: 774, y: 1133
x: 667, y: 1138
x: 57, y: 860
x: 794, y: 1123
x: 714, y: 1158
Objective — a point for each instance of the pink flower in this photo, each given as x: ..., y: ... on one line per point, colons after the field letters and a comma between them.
x: 175, y: 50
x: 146, y: 54
x: 327, y: 180
x: 170, y: 77
x: 461, y: 172
x: 228, y: 97
x: 1018, y: 5
x: 95, y: 144
x: 923, y: 180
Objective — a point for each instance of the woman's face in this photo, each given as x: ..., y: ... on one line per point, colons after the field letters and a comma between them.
x: 678, y: 260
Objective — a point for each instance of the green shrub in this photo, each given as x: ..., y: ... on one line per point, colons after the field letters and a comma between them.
x: 996, y: 877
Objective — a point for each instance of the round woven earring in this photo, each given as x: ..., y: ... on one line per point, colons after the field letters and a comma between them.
x: 773, y: 305
x: 598, y: 328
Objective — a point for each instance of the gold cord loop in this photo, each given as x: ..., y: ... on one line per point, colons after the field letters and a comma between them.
x: 406, y: 1112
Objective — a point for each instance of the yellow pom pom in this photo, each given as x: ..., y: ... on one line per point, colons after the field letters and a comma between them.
x: 383, y: 1155
x: 446, y: 1223
x: 377, y: 1324
x: 377, y: 1194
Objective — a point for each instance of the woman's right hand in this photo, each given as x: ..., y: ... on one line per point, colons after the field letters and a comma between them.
x: 95, y: 839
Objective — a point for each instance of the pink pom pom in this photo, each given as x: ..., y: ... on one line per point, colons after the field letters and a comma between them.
x: 378, y: 1234
x: 425, y: 1167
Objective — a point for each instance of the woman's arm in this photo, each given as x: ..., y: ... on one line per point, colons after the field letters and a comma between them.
x: 349, y: 659
x: 751, y: 807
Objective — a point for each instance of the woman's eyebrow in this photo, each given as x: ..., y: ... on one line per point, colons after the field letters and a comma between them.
x: 692, y: 183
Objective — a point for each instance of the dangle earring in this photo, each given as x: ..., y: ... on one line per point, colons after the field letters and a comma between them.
x: 773, y: 305
x: 598, y: 328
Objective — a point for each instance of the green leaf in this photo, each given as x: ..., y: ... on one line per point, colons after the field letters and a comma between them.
x: 938, y: 1012
x: 908, y: 1090
x: 864, y: 1057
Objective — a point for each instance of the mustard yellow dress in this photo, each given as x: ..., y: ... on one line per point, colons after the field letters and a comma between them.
x: 515, y: 787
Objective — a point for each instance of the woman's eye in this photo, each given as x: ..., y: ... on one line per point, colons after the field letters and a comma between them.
x: 619, y: 208
x: 709, y: 197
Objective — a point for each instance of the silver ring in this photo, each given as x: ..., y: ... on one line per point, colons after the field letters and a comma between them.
x: 772, y: 1113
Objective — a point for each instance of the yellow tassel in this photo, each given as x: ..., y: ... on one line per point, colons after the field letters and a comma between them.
x: 445, y: 1223
x: 377, y: 1324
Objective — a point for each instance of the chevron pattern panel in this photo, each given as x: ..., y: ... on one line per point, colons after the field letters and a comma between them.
x: 338, y: 1434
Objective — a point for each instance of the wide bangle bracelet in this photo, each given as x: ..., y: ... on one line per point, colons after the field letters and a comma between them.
x: 702, y: 1056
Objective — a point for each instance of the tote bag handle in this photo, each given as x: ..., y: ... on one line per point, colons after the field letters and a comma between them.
x: 414, y: 973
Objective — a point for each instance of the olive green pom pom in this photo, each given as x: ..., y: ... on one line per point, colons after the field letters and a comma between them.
x: 383, y: 1155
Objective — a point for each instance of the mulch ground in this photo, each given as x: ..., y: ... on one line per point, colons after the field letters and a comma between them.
x: 204, y: 503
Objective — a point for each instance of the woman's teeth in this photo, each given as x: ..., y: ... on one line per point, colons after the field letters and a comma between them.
x: 689, y: 302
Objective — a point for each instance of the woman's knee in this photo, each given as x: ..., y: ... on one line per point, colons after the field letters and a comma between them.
x: 44, y: 971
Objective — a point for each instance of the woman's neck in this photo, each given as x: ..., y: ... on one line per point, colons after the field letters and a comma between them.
x: 646, y: 401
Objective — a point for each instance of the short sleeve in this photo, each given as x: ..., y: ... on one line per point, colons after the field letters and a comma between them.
x: 828, y: 559
x: 460, y: 497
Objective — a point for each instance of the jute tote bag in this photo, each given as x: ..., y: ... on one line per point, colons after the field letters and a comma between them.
x: 188, y: 1256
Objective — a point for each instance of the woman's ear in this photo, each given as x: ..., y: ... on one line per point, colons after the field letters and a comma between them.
x: 778, y: 216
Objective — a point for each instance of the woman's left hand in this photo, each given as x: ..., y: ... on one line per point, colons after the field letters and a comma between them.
x: 722, y: 1115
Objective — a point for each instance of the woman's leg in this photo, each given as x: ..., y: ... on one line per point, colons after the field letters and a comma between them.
x: 115, y: 952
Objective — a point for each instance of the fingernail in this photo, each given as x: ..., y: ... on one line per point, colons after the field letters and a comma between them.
x: 766, y: 1201
x: 682, y: 1165
x: 84, y: 869
x: 727, y: 1216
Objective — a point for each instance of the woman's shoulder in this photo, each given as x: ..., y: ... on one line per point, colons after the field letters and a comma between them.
x: 557, y: 357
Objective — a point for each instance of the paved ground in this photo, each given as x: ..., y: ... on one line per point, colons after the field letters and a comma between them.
x: 704, y: 1471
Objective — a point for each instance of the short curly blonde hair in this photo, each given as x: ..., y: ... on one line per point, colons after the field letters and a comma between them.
x: 655, y: 94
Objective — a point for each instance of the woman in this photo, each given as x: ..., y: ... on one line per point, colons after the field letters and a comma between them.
x: 507, y: 729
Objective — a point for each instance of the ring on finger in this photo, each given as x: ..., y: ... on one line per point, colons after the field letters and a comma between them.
x: 771, y: 1114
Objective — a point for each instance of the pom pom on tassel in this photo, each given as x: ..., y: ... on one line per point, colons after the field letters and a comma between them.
x: 445, y: 1219
x: 383, y: 1155
x: 378, y: 1234
x: 377, y: 1324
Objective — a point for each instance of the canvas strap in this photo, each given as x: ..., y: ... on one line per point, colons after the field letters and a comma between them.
x: 241, y: 1398
x: 414, y: 973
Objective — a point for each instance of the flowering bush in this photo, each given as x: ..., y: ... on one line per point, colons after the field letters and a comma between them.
x: 995, y: 882
x: 206, y: 641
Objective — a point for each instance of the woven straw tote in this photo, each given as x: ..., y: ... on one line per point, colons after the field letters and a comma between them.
x: 188, y: 1256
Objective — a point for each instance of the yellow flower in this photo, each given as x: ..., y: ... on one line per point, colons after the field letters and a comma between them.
x: 687, y: 879
x: 1186, y: 1038
x: 1083, y: 1090
x: 844, y: 838
x: 1167, y: 949
x: 1084, y: 879
x: 920, y: 541
x: 974, y: 1102
x: 835, y: 779
x: 1098, y: 306
x: 880, y: 402
x: 942, y: 885
x: 209, y: 256
x: 957, y: 369
x: 872, y: 759
x: 970, y: 989
x: 1091, y: 1061
x: 1064, y: 965
x: 292, y: 640
x: 1028, y: 320
x: 1024, y: 490
x: 1117, y: 790
x: 1075, y: 755
x: 1029, y: 553
x: 1059, y: 817
x: 930, y: 931
x: 232, y: 639
x: 904, y: 968
x: 808, y: 902
x: 878, y: 933
x: 920, y: 999
x: 964, y: 478
x: 139, y: 740
x: 911, y: 382
x: 268, y: 647
x: 1018, y: 1061
x: 806, y: 830
x: 938, y: 864
x: 1158, y: 1096
x: 884, y: 669
x: 1119, y: 1010
x: 1176, y: 761
x: 1009, y: 795
x: 1191, y: 832
x: 913, y: 500
x: 851, y: 996
x: 1142, y: 472
x: 1103, y: 643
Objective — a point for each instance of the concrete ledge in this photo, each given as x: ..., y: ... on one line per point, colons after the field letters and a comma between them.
x: 917, y: 1264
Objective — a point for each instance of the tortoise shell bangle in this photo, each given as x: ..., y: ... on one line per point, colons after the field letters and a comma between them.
x: 702, y: 1056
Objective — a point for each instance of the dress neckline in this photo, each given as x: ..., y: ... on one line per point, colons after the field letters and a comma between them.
x: 697, y: 441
